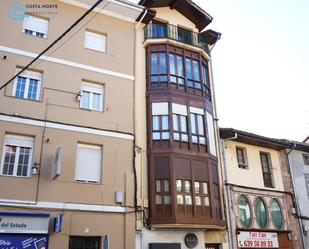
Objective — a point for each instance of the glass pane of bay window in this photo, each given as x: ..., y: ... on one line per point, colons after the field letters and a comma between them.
x: 176, y: 136
x: 193, y: 123
x: 180, y: 66
x: 158, y: 199
x: 154, y: 63
x: 187, y: 186
x: 162, y: 63
x: 188, y: 200
x: 194, y: 139
x: 205, y: 188
x: 166, y: 186
x: 202, y: 140
x: 156, y: 135
x: 183, y: 121
x: 165, y: 122
x: 175, y: 122
x: 206, y: 201
x: 178, y: 185
x: 197, y: 187
x: 172, y: 64
x: 165, y: 135
x: 196, y: 71
x: 188, y: 69
x: 180, y: 199
x: 200, y: 122
x: 155, y: 123
x: 158, y: 185
x: 184, y: 137
x: 198, y: 201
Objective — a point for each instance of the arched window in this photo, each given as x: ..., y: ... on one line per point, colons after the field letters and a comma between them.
x: 244, y: 211
x: 276, y: 213
x: 260, y: 212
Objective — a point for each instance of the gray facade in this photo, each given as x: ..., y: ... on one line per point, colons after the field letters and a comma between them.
x: 300, y: 174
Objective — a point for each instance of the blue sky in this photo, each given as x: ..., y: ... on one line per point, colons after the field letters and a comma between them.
x: 261, y: 65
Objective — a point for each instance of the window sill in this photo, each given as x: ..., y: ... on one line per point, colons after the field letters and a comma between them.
x: 44, y: 37
x: 91, y: 110
x: 87, y: 182
x: 95, y: 50
x: 20, y: 177
x: 31, y: 100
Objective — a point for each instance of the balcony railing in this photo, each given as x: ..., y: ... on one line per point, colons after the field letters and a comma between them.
x: 162, y: 30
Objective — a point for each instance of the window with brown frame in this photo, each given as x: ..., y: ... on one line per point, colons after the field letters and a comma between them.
x: 184, y: 192
x: 176, y: 70
x: 158, y: 30
x: 206, y: 82
x: 197, y: 128
x: 306, y: 159
x: 201, y: 193
x: 158, y: 68
x: 241, y: 158
x: 180, y: 127
x: 267, y: 177
x: 163, y: 194
x: 193, y: 74
x: 160, y: 127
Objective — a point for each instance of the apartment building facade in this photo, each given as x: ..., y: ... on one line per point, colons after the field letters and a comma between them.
x: 259, y: 194
x: 67, y: 126
x: 177, y: 153
x: 298, y: 156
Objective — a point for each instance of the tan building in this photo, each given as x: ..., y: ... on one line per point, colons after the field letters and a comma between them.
x: 259, y: 195
x: 67, y: 126
x: 177, y: 152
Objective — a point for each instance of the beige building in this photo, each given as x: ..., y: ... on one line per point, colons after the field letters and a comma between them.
x: 67, y: 125
x: 259, y: 196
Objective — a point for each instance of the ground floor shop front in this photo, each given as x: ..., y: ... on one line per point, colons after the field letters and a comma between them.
x: 178, y: 238
x: 45, y: 229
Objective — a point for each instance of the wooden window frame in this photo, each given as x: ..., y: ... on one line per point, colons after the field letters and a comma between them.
x: 159, y: 74
x: 160, y: 130
x: 203, y: 194
x: 163, y: 193
x: 184, y: 193
x: 244, y: 163
x: 179, y: 131
x: 199, y: 136
x: 267, y: 176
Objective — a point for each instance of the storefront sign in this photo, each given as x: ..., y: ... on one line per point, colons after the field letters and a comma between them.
x: 257, y: 240
x: 21, y: 241
x: 191, y: 240
x: 24, y: 223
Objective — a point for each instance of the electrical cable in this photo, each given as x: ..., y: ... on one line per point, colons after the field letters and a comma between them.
x: 69, y: 38
x: 52, y: 44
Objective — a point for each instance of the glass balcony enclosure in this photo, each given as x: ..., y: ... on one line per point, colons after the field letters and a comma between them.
x: 157, y: 30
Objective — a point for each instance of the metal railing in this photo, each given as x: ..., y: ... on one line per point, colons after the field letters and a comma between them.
x: 157, y: 31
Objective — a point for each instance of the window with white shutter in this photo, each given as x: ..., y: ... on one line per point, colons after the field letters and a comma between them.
x: 17, y: 156
x: 95, y: 41
x: 88, y: 163
x: 27, y: 85
x: 35, y: 26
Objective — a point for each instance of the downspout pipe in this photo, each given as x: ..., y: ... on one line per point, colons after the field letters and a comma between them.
x: 296, y: 199
x: 228, y: 199
x: 218, y: 139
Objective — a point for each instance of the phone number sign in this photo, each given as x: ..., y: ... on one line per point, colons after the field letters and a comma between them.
x: 257, y: 240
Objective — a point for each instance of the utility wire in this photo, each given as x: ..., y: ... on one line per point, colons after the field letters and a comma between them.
x: 69, y: 38
x: 52, y: 44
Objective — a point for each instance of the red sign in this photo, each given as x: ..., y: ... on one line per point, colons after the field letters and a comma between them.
x: 257, y: 240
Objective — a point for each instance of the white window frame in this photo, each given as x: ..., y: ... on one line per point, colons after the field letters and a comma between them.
x: 94, y: 147
x: 18, y: 141
x: 92, y: 34
x: 34, y: 32
x: 92, y: 88
x: 211, y: 134
x: 28, y: 75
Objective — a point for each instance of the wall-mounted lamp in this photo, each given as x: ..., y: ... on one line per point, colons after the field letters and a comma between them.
x: 78, y: 96
x: 35, y: 168
x: 4, y: 57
